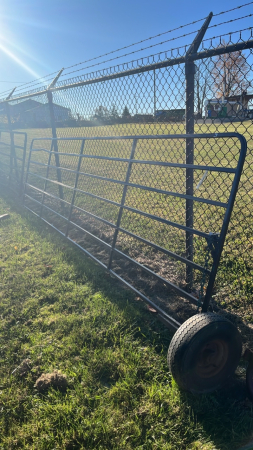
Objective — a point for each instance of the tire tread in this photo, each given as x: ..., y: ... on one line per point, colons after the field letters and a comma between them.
x: 184, y: 336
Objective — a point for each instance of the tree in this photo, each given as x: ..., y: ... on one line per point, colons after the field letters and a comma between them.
x: 230, y: 73
x: 114, y: 113
x: 126, y: 114
x: 202, y: 86
x: 101, y: 113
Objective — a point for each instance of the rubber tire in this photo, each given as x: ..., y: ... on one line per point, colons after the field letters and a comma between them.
x: 249, y: 380
x: 187, y: 344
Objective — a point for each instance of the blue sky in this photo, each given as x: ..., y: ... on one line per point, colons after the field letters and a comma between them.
x: 38, y: 37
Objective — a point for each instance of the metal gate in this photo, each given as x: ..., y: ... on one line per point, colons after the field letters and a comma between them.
x: 12, y: 159
x: 130, y: 211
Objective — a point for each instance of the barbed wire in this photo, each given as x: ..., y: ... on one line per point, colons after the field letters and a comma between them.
x: 157, y: 35
x: 132, y: 53
x: 113, y: 69
x: 229, y: 33
x: 229, y: 21
x: 36, y: 84
x: 31, y: 83
x: 110, y: 69
x: 233, y: 9
x: 151, y: 46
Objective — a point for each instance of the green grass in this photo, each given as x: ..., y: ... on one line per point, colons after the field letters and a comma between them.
x: 61, y: 311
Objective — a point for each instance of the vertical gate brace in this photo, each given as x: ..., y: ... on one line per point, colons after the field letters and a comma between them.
x: 189, y: 153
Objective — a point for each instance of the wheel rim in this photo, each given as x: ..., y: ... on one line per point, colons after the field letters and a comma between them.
x: 212, y: 358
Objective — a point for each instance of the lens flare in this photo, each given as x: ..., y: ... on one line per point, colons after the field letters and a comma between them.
x: 18, y: 61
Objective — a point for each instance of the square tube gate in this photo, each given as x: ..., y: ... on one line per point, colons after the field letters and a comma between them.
x: 123, y: 204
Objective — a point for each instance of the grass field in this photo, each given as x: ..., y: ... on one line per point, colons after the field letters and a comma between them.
x: 61, y: 312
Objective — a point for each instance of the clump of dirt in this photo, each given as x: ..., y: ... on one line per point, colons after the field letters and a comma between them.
x: 55, y: 379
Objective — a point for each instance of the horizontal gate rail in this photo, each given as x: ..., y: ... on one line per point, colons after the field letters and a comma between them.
x: 145, y: 241
x: 145, y: 188
x: 66, y: 210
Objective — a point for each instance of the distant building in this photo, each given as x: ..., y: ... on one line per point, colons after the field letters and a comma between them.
x: 170, y: 115
x: 231, y: 107
x: 143, y: 118
x: 30, y: 111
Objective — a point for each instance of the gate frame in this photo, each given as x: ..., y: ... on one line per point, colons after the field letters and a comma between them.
x: 216, y: 246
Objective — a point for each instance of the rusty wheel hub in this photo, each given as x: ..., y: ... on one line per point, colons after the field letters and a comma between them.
x: 212, y: 358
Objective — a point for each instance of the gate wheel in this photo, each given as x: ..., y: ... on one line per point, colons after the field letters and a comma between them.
x: 204, y: 352
x: 249, y: 379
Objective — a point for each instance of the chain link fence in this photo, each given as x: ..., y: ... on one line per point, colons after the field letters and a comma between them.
x: 205, y: 87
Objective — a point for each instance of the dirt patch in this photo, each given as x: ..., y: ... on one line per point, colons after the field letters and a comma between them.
x: 55, y: 379
x: 156, y: 261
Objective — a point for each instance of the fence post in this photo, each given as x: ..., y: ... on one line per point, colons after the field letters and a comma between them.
x: 12, y: 146
x: 189, y: 159
x: 189, y: 150
x: 54, y: 134
x: 154, y: 95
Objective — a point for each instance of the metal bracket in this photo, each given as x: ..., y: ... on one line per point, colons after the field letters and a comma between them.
x: 198, y: 39
x: 212, y: 242
x: 10, y: 95
x: 51, y: 85
x: 190, y: 68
